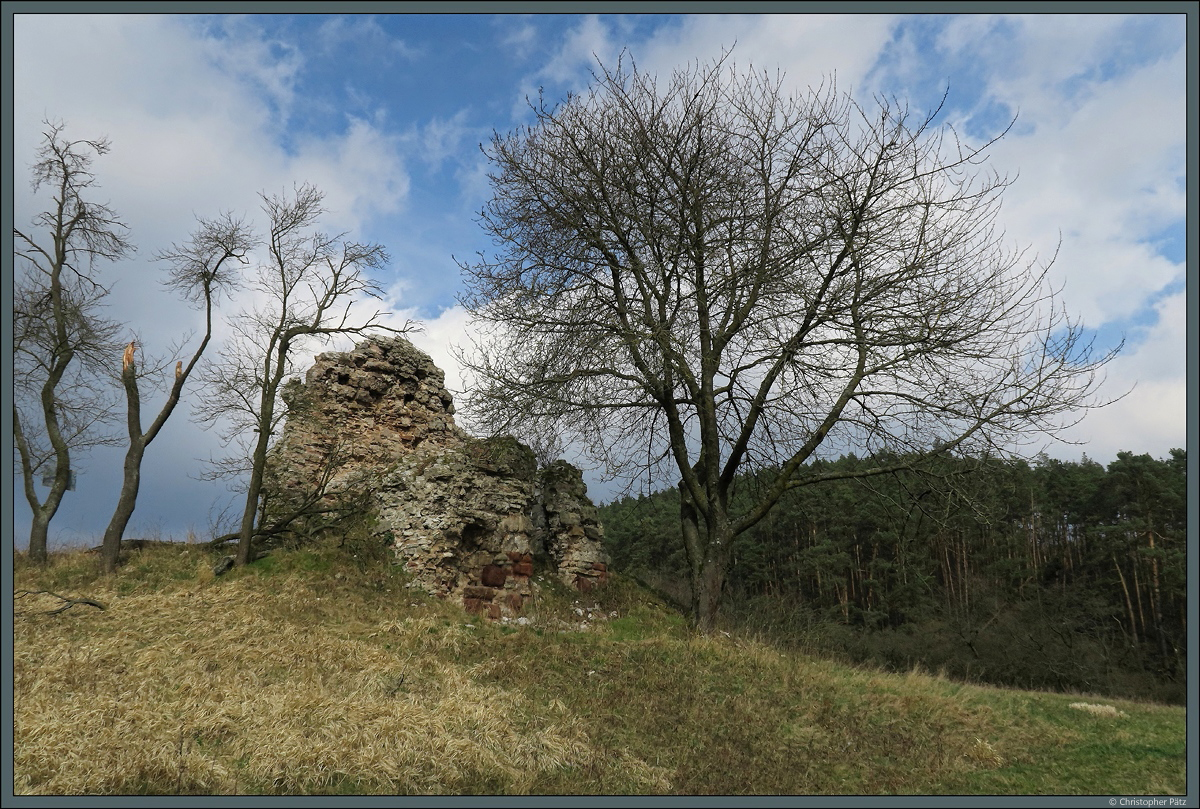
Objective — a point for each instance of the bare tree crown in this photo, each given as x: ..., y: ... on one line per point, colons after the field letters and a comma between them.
x: 308, y: 283
x: 715, y: 275
x: 768, y: 272
x: 81, y: 228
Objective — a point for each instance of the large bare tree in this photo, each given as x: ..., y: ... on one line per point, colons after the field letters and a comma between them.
x: 201, y: 270
x: 307, y: 285
x: 63, y: 345
x: 717, y: 276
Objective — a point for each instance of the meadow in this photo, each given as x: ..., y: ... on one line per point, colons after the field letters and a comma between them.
x: 320, y: 671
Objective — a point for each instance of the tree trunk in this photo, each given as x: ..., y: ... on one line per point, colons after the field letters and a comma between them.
x: 42, y: 513
x: 708, y: 554
x: 250, y: 514
x: 274, y: 369
x: 131, y: 480
x: 1128, y: 601
x: 37, y: 536
x: 259, y: 462
x: 692, y: 547
x: 1156, y: 599
x: 706, y: 594
x: 708, y: 581
x: 1137, y: 592
x: 125, y: 506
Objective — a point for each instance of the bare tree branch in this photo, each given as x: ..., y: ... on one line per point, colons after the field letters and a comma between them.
x: 68, y: 602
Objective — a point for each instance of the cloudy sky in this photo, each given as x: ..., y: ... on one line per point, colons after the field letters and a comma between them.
x: 386, y: 114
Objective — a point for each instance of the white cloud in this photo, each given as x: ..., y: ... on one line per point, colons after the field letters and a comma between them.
x: 442, y: 138
x: 365, y: 35
x: 582, y: 45
x: 248, y: 56
x: 519, y: 37
x: 807, y: 47
x: 1100, y: 161
x: 1151, y: 416
x: 1099, y: 148
x: 362, y: 173
x: 1159, y: 356
x: 195, y: 130
x: 440, y: 338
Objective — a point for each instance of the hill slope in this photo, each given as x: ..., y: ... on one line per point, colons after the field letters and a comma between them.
x: 317, y: 671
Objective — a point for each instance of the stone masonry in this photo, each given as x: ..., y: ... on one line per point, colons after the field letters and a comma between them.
x: 468, y: 518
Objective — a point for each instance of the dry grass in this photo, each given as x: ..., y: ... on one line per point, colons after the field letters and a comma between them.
x: 202, y: 689
x: 1108, y: 711
x: 983, y: 754
x: 319, y: 672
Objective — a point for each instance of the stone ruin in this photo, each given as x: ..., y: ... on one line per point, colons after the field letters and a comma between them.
x: 468, y: 518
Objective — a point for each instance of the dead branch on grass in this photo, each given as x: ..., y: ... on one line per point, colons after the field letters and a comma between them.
x: 68, y: 602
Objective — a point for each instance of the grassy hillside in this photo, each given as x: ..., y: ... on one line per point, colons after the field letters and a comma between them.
x: 318, y: 671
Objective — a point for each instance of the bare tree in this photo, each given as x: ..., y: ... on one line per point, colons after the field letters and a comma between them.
x: 200, y: 271
x: 309, y: 282
x: 718, y: 277
x: 62, y: 343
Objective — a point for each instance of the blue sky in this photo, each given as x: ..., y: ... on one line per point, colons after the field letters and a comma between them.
x: 386, y: 113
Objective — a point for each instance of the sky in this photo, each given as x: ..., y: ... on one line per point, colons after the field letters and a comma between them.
x: 386, y: 114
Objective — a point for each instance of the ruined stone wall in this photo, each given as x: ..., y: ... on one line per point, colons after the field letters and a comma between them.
x: 468, y: 518
x: 574, y: 535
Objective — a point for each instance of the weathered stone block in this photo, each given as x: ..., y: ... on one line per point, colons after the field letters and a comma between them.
x: 378, y: 366
x: 516, y: 524
x: 493, y: 576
